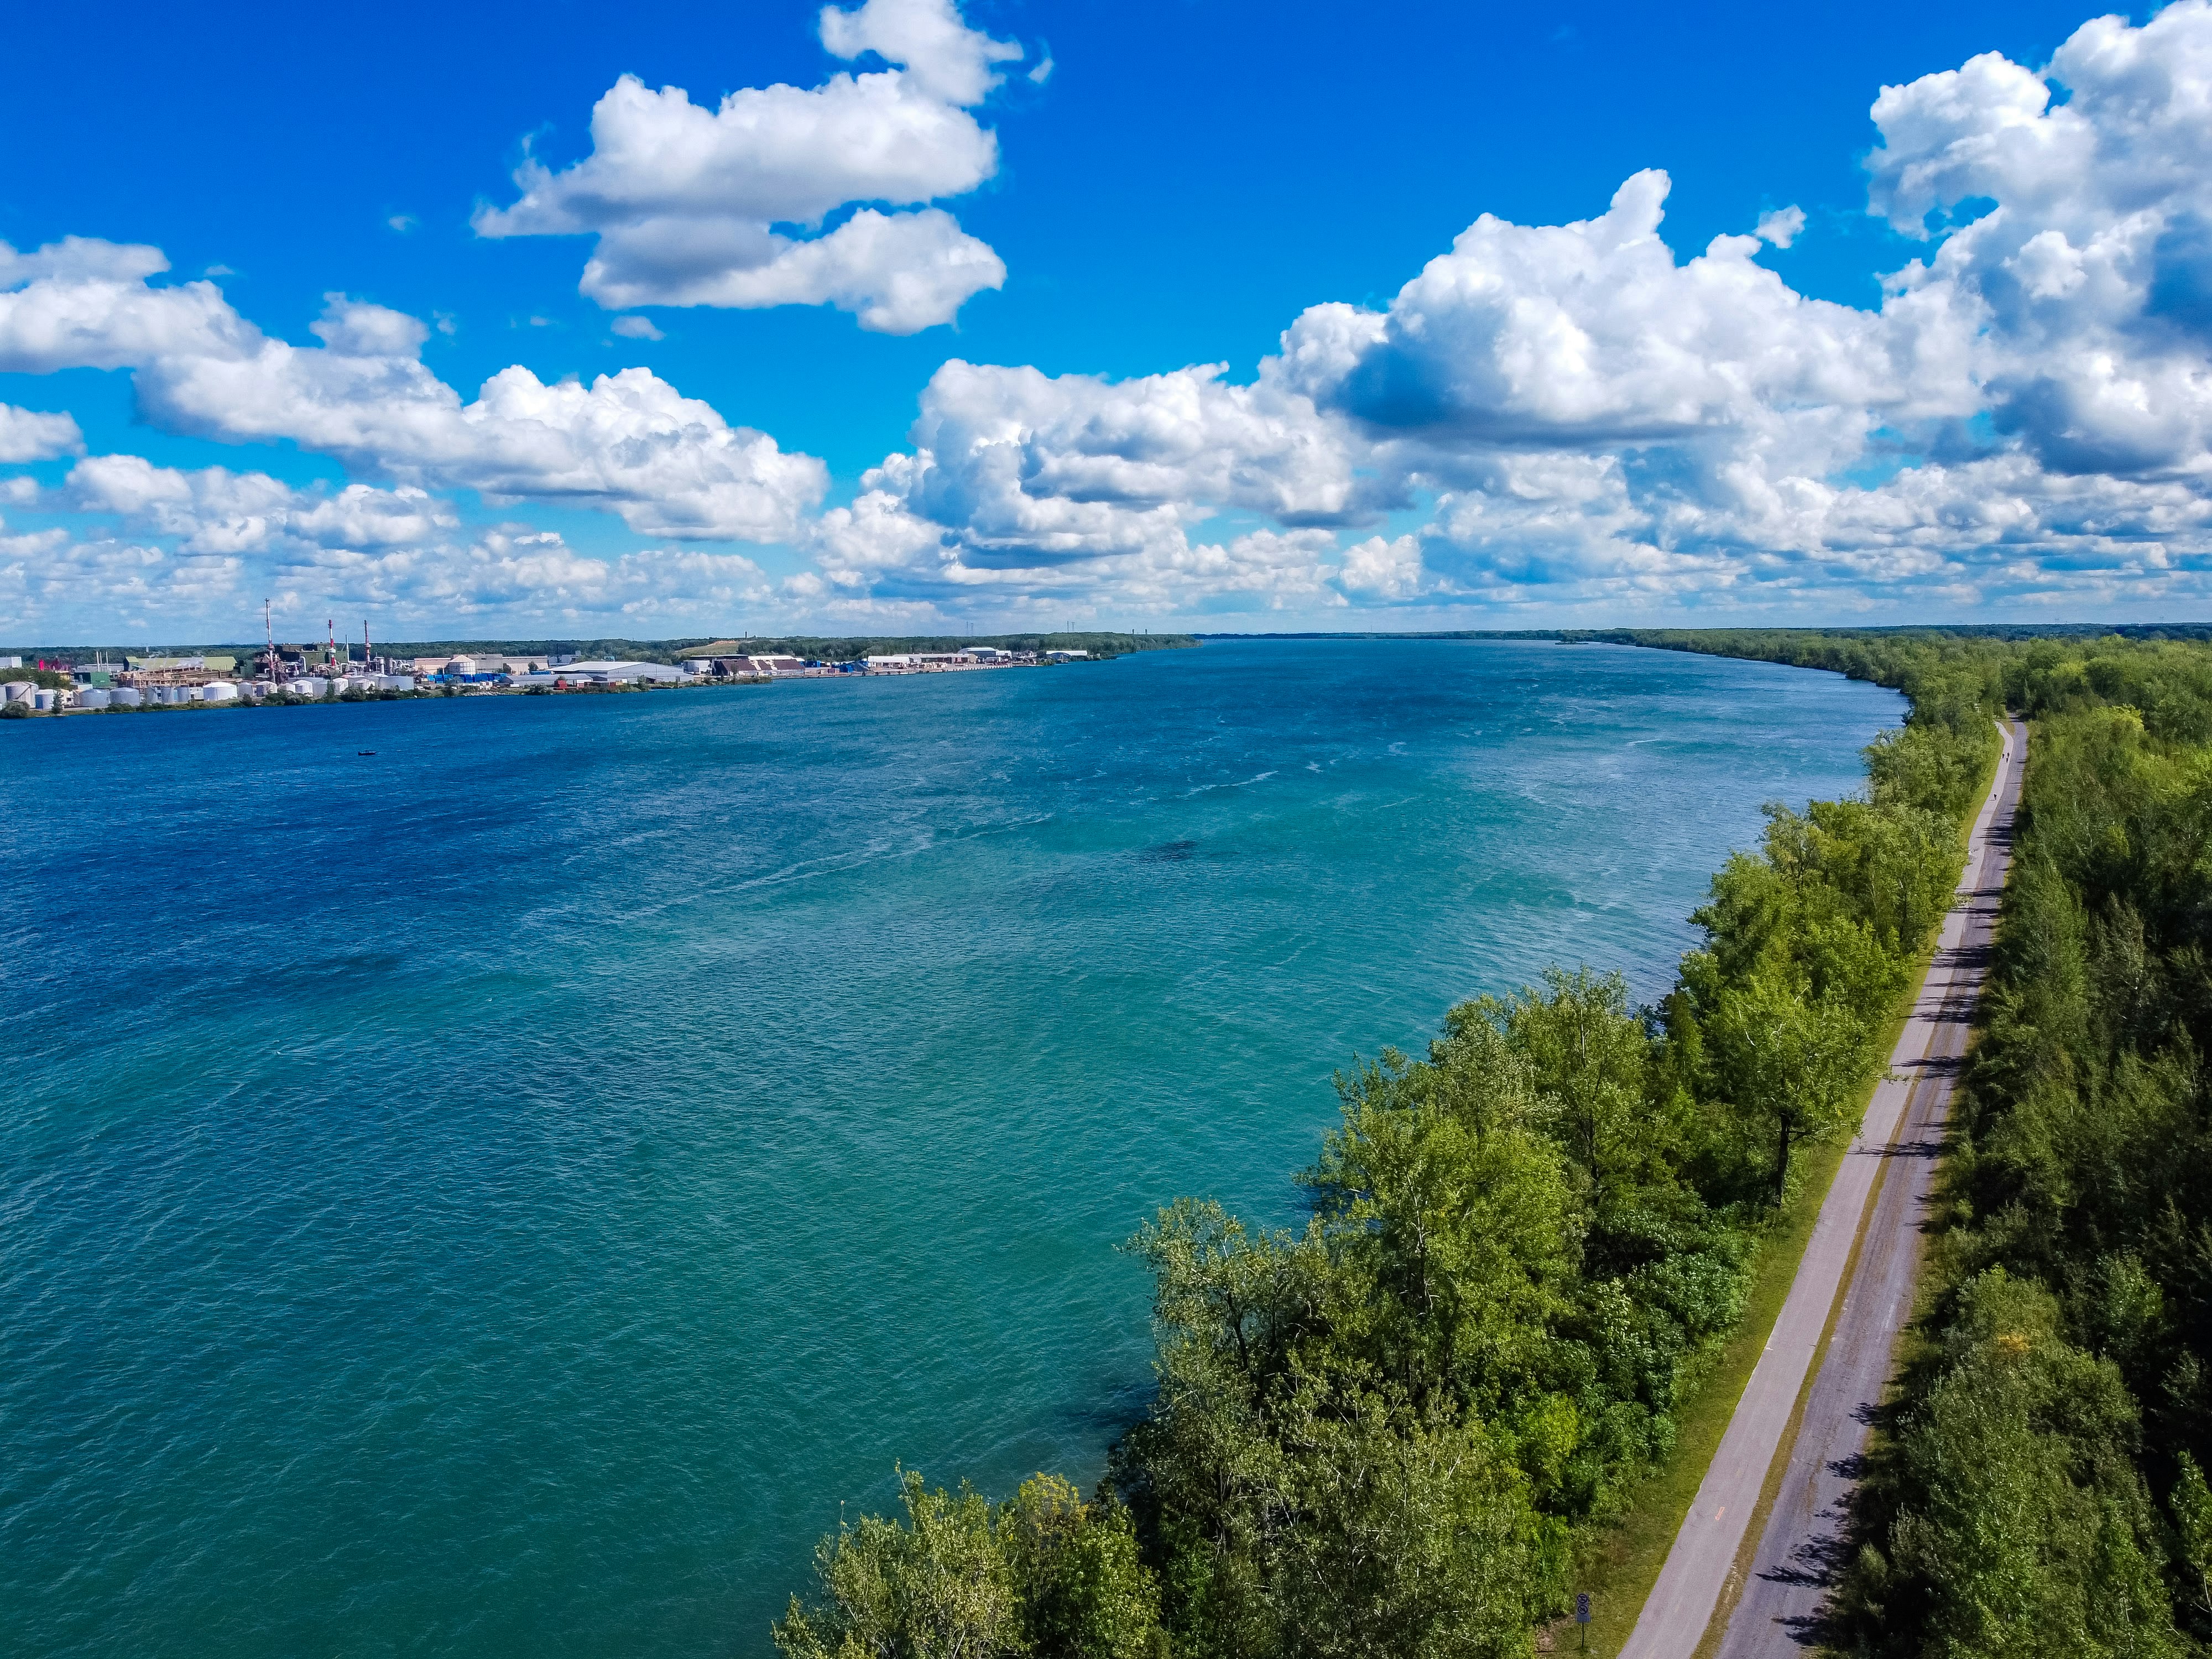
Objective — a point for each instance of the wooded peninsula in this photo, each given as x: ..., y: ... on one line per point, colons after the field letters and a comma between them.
x: 1399, y: 1428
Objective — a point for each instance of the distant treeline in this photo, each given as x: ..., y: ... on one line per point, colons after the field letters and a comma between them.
x: 1711, y: 640
x: 1692, y: 639
x: 2162, y: 672
x: 820, y: 647
x: 1385, y: 1430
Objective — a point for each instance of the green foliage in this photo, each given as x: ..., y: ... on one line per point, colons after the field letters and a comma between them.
x: 1809, y: 945
x: 1084, y: 1593
x: 1956, y: 678
x: 1375, y: 1433
x: 1588, y: 1054
x: 2034, y: 1533
x: 1445, y: 1217
x: 1414, y: 1532
x: 1044, y: 1575
x: 1786, y: 1060
x: 939, y: 1585
x: 2192, y: 1527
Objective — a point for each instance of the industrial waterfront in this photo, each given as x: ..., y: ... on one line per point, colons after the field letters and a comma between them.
x: 91, y: 684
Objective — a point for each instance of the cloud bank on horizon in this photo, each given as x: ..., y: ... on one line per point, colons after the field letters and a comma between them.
x: 1556, y: 418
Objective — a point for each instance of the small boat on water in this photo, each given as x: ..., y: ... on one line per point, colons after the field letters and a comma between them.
x: 364, y: 751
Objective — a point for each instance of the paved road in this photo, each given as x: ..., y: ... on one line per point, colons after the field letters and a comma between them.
x: 1903, y: 1125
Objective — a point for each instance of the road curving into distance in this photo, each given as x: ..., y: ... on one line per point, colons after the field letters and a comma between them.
x: 1772, y: 1594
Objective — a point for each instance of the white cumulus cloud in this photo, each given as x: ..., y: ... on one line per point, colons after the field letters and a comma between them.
x: 628, y: 443
x: 685, y: 200
x: 1389, y: 569
x: 81, y: 303
x: 1594, y: 422
x: 30, y: 434
x: 1569, y: 416
x: 52, y: 584
x: 214, y: 510
x: 2091, y: 279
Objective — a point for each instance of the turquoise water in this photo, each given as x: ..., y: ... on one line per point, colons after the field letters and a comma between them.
x: 499, y: 1196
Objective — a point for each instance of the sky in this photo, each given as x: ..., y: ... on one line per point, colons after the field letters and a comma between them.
x: 909, y: 316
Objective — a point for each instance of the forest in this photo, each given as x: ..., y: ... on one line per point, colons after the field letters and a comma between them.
x: 2039, y: 1486
x: 1386, y: 1431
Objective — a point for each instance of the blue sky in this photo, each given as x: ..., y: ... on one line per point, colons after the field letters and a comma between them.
x: 1566, y: 425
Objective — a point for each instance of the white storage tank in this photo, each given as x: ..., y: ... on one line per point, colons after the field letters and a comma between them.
x: 308, y: 685
x: 94, y: 698
x: 16, y: 690
x: 44, y: 700
x: 125, y: 696
x: 218, y: 691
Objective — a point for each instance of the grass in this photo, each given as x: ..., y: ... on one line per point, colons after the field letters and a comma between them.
x: 1618, y: 1566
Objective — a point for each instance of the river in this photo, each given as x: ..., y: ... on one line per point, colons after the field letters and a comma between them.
x: 501, y: 1194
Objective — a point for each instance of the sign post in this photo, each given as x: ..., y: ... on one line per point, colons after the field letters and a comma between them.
x: 1582, y: 1616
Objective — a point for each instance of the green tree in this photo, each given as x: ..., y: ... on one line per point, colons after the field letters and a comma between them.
x: 1203, y: 1471
x: 1786, y: 1065
x: 2191, y: 1503
x: 1084, y: 1592
x: 2030, y: 1532
x: 938, y: 1587
x: 1410, y: 1533
x: 1586, y: 1053
x: 1450, y: 1221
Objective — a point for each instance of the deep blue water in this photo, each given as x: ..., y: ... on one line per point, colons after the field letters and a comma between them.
x: 498, y: 1197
